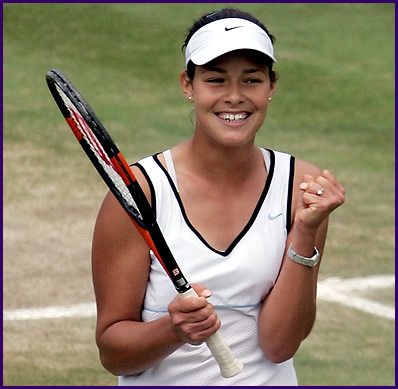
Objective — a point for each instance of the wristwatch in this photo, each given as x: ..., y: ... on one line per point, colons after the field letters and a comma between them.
x: 310, y: 262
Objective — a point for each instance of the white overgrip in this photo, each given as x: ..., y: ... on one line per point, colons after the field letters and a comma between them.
x: 228, y: 363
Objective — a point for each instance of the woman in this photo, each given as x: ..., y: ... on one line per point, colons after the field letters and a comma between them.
x: 247, y: 226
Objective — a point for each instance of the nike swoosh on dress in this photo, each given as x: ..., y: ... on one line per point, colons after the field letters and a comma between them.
x: 273, y: 217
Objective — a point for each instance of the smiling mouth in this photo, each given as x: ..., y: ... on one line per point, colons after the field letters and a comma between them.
x: 233, y: 118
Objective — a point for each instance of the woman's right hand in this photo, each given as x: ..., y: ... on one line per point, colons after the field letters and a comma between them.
x: 194, y: 319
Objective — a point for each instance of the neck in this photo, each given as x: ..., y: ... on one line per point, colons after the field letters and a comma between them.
x: 223, y: 163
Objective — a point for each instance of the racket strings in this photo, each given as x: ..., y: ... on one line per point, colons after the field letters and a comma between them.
x: 99, y: 152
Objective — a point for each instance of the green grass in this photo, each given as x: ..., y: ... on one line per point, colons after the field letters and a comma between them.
x: 347, y: 348
x: 334, y: 106
x: 61, y: 352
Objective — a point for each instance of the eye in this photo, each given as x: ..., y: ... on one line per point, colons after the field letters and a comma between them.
x: 253, y: 81
x: 216, y: 80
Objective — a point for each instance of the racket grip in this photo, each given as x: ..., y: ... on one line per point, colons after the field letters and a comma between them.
x: 228, y: 363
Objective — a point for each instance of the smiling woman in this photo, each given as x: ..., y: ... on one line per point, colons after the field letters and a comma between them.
x: 233, y: 90
x: 247, y: 224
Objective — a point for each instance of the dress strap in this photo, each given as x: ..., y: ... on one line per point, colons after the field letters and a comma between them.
x: 170, y: 166
x: 267, y: 159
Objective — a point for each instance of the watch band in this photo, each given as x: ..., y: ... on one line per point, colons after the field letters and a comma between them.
x: 310, y: 262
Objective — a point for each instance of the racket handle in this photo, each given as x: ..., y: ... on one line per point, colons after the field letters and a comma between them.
x: 228, y: 363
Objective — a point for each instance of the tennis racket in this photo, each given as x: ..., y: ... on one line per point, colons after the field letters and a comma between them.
x: 116, y: 173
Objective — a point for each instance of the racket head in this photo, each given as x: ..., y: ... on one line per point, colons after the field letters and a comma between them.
x: 114, y: 170
x: 96, y: 142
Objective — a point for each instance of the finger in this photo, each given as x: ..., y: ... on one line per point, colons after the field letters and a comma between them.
x: 201, y: 315
x: 193, y: 321
x: 201, y: 290
x: 329, y: 188
x: 306, y: 181
x: 311, y: 200
x: 187, y: 304
x: 211, y: 321
x: 316, y: 188
x: 201, y: 320
x: 331, y: 178
x: 201, y: 334
x: 192, y: 304
x: 308, y: 178
x: 332, y: 187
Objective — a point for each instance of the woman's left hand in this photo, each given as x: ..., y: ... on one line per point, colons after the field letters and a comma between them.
x: 318, y: 198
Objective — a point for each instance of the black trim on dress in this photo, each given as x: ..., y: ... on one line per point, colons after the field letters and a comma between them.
x: 249, y: 223
x: 150, y: 184
x: 289, y: 195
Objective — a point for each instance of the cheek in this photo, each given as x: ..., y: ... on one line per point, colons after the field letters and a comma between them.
x: 261, y: 97
x: 263, y: 102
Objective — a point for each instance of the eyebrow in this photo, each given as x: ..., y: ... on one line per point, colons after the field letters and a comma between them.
x: 223, y: 71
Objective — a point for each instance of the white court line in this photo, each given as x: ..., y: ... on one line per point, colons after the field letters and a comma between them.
x: 336, y: 290
x: 55, y: 312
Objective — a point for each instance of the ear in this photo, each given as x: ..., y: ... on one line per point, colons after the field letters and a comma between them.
x: 186, y: 84
x: 272, y: 88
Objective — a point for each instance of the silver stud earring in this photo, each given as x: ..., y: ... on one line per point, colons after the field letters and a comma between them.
x: 269, y: 98
x: 189, y: 97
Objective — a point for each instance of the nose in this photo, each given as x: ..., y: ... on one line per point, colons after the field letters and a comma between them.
x: 234, y: 94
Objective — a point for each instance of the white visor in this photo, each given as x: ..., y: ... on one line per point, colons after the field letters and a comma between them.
x: 225, y: 35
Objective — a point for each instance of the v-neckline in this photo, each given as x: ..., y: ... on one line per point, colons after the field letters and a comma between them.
x: 245, y: 229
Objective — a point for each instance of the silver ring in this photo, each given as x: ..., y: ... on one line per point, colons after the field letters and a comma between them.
x: 320, y: 191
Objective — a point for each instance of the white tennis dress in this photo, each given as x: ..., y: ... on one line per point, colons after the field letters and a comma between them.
x: 239, y: 279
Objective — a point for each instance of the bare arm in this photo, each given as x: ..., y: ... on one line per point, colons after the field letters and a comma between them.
x: 121, y: 263
x: 288, y: 312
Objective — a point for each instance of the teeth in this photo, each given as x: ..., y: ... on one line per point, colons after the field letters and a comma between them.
x: 233, y: 118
